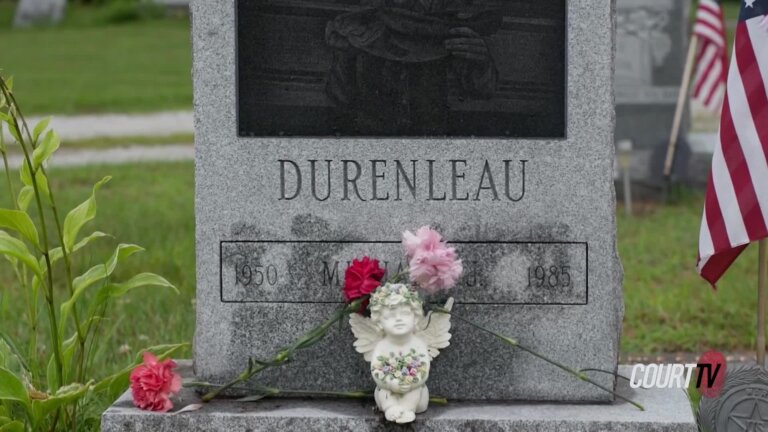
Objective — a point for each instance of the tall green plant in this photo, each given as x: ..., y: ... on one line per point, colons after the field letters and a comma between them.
x: 51, y: 392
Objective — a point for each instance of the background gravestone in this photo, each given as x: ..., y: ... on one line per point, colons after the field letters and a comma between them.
x: 32, y: 12
x: 652, y: 43
x: 283, y: 203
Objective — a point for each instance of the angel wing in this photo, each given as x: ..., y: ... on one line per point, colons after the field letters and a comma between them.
x: 367, y: 335
x: 435, y: 329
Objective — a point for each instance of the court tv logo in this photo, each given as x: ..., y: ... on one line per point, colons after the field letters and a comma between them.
x: 709, y: 374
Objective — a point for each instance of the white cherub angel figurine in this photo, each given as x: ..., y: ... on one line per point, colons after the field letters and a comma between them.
x: 400, y: 342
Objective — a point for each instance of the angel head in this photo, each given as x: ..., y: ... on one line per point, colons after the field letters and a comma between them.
x: 396, y: 308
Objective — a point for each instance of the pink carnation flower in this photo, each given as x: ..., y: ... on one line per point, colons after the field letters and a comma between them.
x: 433, y: 265
x: 153, y: 383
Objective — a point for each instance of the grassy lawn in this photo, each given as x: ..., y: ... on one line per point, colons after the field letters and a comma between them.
x: 668, y: 306
x: 85, y: 65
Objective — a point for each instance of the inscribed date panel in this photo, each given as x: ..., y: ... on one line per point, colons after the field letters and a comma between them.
x: 313, y: 271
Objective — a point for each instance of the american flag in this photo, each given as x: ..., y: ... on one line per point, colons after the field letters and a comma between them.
x: 736, y: 206
x: 712, y: 57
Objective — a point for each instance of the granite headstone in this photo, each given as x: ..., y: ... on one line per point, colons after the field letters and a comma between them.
x: 326, y: 128
x: 32, y: 12
x: 651, y: 47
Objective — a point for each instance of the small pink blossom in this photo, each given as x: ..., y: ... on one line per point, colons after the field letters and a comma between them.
x: 425, y: 239
x: 433, y: 265
x: 153, y: 383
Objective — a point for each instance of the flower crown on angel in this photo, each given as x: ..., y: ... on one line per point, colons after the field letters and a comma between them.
x: 393, y: 295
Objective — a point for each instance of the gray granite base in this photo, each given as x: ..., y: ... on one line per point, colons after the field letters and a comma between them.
x: 667, y: 410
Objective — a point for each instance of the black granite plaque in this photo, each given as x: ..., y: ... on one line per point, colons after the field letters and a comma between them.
x: 408, y: 68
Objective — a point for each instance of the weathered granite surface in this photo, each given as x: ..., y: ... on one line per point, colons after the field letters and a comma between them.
x: 652, y: 43
x: 667, y: 410
x: 551, y: 207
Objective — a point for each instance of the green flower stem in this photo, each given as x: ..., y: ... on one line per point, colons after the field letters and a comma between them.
x: 65, y: 254
x: 284, y: 355
x: 3, y: 150
x: 43, y: 226
x: 263, y: 392
x: 57, y: 220
x: 81, y: 338
x: 22, y: 279
x: 605, y: 372
x: 578, y: 374
x: 395, y: 278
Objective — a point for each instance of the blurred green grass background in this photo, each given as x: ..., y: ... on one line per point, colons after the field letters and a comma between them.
x: 94, y: 62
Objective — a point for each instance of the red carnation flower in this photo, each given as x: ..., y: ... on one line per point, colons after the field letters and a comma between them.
x: 153, y: 383
x: 361, y: 278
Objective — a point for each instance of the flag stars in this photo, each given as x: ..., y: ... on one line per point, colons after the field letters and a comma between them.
x: 750, y: 3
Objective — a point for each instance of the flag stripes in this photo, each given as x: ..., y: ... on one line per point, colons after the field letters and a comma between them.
x: 736, y: 204
x: 712, y: 58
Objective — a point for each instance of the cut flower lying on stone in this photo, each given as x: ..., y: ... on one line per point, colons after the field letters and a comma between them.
x: 153, y: 383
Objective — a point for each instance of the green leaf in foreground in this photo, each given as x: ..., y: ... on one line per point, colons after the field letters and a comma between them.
x: 56, y: 254
x: 14, y: 426
x: 80, y: 215
x: 140, y: 280
x: 11, y: 388
x: 43, y: 152
x: 40, y: 180
x: 25, y: 197
x: 15, y: 248
x: 20, y: 222
x: 94, y: 274
x: 41, y: 126
x: 114, y: 290
x: 64, y: 396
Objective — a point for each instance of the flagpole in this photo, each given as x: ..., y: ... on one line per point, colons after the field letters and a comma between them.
x: 761, y: 300
x: 680, y: 109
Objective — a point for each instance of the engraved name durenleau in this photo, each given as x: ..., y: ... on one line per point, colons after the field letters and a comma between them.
x: 398, y: 180
x: 427, y: 69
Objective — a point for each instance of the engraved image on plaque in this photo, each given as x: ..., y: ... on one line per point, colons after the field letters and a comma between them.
x: 433, y: 68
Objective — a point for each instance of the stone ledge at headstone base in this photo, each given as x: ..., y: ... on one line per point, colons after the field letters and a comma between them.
x: 667, y: 410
